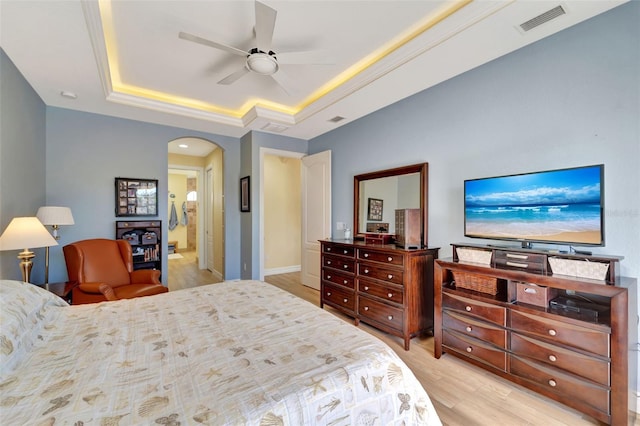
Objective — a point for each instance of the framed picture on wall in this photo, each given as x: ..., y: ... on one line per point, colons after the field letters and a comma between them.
x: 245, y: 194
x: 136, y: 197
x: 375, y: 209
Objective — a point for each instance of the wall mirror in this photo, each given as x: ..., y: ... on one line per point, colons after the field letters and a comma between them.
x: 377, y: 195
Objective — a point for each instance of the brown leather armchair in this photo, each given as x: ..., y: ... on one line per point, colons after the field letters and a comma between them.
x: 103, y: 269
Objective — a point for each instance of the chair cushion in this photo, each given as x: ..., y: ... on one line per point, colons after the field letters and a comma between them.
x: 138, y: 290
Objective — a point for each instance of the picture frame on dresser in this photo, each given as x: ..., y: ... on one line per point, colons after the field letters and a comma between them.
x: 136, y: 197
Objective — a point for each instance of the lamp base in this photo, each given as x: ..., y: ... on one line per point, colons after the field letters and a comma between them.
x: 26, y: 264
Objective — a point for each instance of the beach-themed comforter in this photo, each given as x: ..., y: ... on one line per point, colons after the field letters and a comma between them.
x: 239, y: 352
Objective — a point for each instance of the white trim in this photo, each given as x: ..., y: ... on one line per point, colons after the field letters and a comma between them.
x: 282, y: 270
x: 263, y: 152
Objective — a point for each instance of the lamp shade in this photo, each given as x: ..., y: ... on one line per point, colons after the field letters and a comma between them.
x: 50, y: 215
x: 26, y: 232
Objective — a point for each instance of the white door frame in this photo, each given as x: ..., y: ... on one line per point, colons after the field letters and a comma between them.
x: 202, y: 264
x: 279, y: 153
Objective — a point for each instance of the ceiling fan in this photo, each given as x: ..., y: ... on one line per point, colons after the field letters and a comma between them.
x: 261, y: 59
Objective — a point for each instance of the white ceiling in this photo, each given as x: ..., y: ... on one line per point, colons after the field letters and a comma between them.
x: 124, y: 58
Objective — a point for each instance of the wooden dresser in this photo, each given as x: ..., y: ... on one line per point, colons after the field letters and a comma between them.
x: 579, y: 360
x: 384, y: 286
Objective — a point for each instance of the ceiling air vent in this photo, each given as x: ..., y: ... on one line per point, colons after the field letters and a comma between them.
x: 274, y: 127
x: 541, y: 19
x: 336, y: 119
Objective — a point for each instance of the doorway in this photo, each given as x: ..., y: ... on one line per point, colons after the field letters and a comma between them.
x: 196, y: 194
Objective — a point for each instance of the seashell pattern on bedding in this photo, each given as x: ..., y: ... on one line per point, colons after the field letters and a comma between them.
x: 238, y: 352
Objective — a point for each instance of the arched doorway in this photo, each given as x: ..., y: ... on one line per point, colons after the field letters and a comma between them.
x: 196, y: 229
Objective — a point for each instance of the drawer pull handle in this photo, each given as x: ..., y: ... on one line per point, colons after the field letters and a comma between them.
x: 468, y: 329
x: 390, y: 317
x: 552, y: 383
x: 328, y: 293
x: 390, y: 258
x: 469, y: 349
x: 345, y: 252
x: 345, y: 300
x: 390, y: 276
x: 328, y: 262
x: 518, y: 265
x: 328, y: 248
x: 467, y: 308
x: 390, y: 295
x: 366, y: 288
x: 552, y: 332
x: 366, y: 255
x: 530, y: 290
x: 328, y: 277
x: 346, y: 266
x: 552, y: 358
x: 366, y: 271
x: 344, y: 281
x: 517, y: 256
x: 366, y: 308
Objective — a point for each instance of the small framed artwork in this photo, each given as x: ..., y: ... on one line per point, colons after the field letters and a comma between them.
x: 136, y: 197
x: 375, y: 209
x: 245, y: 194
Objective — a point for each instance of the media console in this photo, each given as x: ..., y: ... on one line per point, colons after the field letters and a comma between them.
x: 499, y: 316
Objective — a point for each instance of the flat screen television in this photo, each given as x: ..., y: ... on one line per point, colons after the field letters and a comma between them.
x: 556, y: 206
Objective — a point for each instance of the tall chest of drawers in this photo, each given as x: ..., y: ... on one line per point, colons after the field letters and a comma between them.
x: 384, y: 286
x: 581, y: 362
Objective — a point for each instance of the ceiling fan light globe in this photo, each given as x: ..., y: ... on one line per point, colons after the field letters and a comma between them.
x: 262, y: 63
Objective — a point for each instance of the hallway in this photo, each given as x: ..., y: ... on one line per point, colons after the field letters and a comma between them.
x: 184, y: 272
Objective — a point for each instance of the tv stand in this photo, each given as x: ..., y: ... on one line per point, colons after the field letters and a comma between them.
x: 576, y: 360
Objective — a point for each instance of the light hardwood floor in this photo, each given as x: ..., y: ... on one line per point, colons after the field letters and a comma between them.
x: 184, y: 272
x: 461, y: 393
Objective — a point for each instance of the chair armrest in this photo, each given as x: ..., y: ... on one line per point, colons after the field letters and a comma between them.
x: 145, y: 276
x: 108, y: 292
x: 93, y: 288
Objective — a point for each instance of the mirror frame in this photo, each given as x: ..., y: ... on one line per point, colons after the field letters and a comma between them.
x: 421, y: 168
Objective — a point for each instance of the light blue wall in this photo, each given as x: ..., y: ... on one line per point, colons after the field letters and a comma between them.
x: 569, y: 100
x: 22, y: 160
x: 86, y: 152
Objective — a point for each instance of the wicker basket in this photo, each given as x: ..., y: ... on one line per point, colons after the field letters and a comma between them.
x: 475, y: 282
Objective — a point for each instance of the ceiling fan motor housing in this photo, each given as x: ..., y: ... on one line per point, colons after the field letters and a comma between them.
x: 261, y: 62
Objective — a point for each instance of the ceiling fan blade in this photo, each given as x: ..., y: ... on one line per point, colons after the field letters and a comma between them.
x: 265, y: 23
x: 285, y: 82
x: 305, y: 58
x: 200, y: 40
x: 231, y: 78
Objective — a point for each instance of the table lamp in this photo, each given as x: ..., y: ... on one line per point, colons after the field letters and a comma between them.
x: 53, y: 216
x: 25, y: 232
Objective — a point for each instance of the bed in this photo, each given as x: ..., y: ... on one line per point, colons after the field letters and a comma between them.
x: 238, y: 352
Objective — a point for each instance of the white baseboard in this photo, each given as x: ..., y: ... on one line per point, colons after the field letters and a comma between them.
x: 283, y: 270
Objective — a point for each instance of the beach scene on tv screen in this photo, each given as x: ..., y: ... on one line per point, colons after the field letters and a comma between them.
x: 555, y: 206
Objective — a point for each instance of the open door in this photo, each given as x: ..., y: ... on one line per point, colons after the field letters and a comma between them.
x: 316, y: 214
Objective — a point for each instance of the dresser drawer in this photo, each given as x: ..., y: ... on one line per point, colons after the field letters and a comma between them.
x: 587, y: 339
x: 560, y: 383
x: 589, y: 367
x: 337, y: 295
x: 341, y: 250
x: 374, y: 256
x: 387, y: 292
x: 475, y: 349
x: 530, y: 262
x: 485, y: 311
x: 380, y: 312
x: 338, y: 278
x: 339, y: 263
x: 481, y: 330
x: 385, y: 274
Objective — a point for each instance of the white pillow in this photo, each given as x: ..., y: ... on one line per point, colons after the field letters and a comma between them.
x: 24, y: 309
